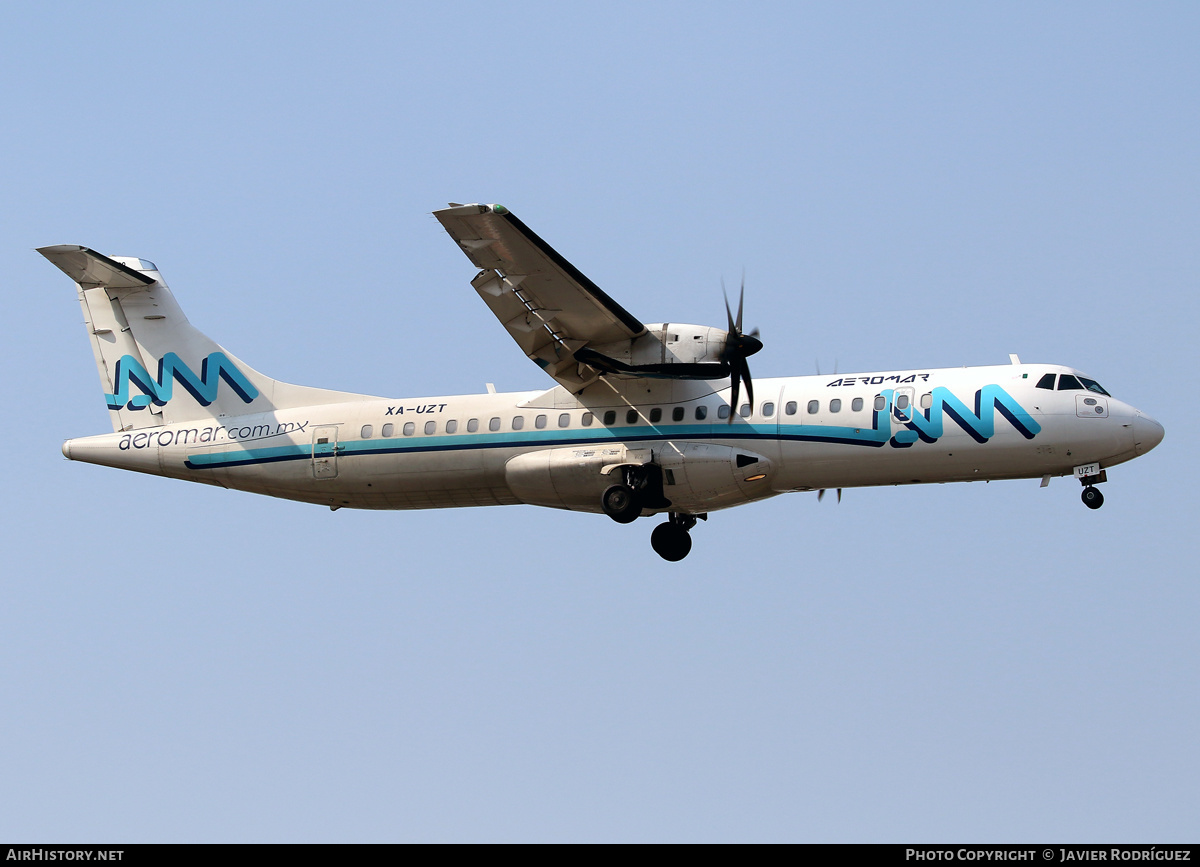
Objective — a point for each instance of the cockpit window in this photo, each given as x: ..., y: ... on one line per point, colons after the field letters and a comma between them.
x: 1046, y: 381
x: 1066, y: 382
x: 1092, y: 385
x: 146, y: 265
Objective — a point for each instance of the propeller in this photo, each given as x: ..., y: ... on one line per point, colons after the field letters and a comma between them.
x: 738, y: 347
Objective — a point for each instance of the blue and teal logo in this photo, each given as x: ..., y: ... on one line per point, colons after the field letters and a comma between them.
x: 979, y: 421
x: 172, y: 369
x: 913, y: 423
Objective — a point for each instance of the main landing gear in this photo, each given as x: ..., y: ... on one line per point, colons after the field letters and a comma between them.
x: 641, y: 488
x: 622, y: 504
x: 671, y: 540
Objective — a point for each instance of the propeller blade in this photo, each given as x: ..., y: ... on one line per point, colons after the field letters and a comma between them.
x: 738, y: 347
x: 839, y: 495
x: 736, y: 376
x: 728, y: 312
x: 820, y: 495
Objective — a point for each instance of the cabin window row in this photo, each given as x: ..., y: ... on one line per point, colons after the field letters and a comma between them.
x: 494, y: 424
x: 632, y: 416
x: 837, y: 405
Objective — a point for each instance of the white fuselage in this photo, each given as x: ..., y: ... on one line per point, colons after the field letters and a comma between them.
x: 554, y: 449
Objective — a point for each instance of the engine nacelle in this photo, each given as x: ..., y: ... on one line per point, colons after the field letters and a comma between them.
x: 696, y: 477
x: 666, y: 350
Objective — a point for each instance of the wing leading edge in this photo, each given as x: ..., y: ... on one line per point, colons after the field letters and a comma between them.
x: 548, y: 306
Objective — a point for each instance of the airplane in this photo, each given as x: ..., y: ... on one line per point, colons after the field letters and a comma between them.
x: 644, y: 419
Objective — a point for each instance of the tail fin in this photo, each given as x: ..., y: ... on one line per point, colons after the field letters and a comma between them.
x: 144, y: 346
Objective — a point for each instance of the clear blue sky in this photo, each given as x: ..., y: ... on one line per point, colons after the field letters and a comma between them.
x: 906, y: 185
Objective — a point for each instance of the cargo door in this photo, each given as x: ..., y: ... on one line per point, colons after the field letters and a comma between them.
x: 324, y: 451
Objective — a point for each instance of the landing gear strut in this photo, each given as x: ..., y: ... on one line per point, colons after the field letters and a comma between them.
x: 671, y: 540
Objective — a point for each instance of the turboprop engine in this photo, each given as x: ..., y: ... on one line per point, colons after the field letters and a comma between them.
x: 682, y: 352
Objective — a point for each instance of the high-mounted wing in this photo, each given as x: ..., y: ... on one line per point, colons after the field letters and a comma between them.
x: 549, y: 307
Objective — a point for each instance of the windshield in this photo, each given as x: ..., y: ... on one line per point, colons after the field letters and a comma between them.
x: 1092, y: 385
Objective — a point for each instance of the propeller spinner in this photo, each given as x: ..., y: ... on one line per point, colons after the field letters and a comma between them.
x: 738, y: 347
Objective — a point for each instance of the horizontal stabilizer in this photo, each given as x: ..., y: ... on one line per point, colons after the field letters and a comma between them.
x: 89, y: 268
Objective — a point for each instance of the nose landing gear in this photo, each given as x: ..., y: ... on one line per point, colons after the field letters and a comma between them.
x: 1089, y: 476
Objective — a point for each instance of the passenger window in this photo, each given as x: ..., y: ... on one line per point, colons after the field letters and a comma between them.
x: 768, y: 410
x: 539, y: 422
x: 926, y: 400
x: 1066, y: 382
x: 677, y: 414
x: 518, y: 422
x: 494, y: 424
x: 902, y: 401
x: 835, y: 405
x: 631, y: 416
x: 564, y: 420
x: 813, y: 406
x: 856, y: 404
x: 452, y: 426
x: 389, y: 429
x: 723, y: 411
x: 472, y: 425
x: 880, y: 403
x: 744, y: 412
x: 610, y: 417
x: 409, y: 428
x: 367, y: 430
x: 587, y: 419
x: 430, y: 427
x: 701, y: 413
x: 655, y: 415
x: 790, y: 408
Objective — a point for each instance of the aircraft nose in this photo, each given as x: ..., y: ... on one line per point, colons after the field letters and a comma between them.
x: 1147, y: 433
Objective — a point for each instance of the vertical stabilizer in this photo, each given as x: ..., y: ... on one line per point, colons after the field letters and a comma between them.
x: 155, y: 367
